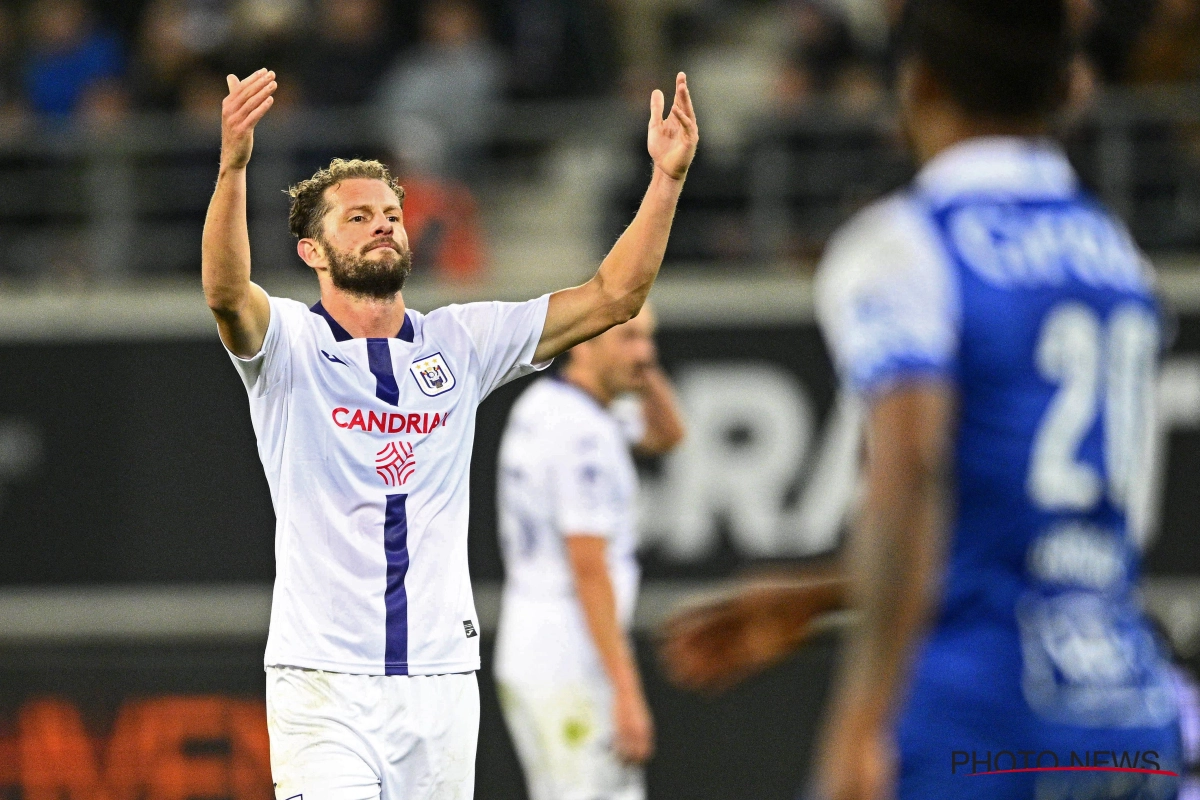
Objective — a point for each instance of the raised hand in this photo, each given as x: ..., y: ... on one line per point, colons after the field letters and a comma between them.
x: 247, y: 102
x: 672, y: 141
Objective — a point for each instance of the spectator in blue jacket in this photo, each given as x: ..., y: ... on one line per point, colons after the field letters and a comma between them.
x: 68, y: 57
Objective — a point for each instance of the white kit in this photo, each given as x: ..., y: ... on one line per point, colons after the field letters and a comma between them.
x: 367, y: 446
x: 565, y: 468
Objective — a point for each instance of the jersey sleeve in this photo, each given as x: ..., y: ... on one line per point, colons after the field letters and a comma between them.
x: 586, y: 492
x: 887, y: 300
x: 505, y: 336
x: 267, y: 368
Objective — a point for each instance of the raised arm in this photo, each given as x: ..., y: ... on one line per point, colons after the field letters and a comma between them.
x: 617, y: 291
x: 241, y: 308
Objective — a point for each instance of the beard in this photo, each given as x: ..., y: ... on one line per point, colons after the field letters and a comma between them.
x: 375, y: 280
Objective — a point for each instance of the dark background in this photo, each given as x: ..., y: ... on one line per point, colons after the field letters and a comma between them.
x: 149, y: 472
x: 750, y: 742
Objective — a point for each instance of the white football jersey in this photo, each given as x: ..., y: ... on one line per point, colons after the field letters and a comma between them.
x: 366, y: 445
x: 565, y: 468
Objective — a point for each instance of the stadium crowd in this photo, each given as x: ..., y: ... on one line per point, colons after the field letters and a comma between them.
x: 63, y: 58
x: 438, y: 75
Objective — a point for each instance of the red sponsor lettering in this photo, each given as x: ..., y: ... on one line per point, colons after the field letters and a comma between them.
x: 384, y: 422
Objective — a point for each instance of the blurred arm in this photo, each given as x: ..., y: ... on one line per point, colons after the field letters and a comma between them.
x: 634, y: 729
x: 895, y: 563
x: 660, y: 410
x: 242, y: 309
x: 712, y: 646
x: 619, y: 288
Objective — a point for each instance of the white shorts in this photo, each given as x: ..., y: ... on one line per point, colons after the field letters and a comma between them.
x: 336, y: 736
x: 563, y: 734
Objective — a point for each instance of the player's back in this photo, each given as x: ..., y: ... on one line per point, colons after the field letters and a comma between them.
x: 997, y: 273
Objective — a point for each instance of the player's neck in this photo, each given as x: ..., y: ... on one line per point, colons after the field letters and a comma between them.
x: 364, y: 317
x: 943, y: 128
x: 589, y: 382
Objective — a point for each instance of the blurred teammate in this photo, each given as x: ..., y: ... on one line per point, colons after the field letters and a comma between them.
x: 999, y: 325
x: 568, y: 681
x: 365, y: 413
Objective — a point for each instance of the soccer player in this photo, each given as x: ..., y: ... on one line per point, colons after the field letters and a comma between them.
x: 1000, y: 327
x: 364, y: 412
x: 568, y: 682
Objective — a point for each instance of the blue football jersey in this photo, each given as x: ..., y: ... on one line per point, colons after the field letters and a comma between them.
x: 997, y: 273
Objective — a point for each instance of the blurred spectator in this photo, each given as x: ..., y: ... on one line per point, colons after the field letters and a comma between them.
x: 208, y: 25
x: 348, y: 51
x: 1168, y: 51
x: 104, y: 104
x: 559, y: 48
x: 69, y: 58
x: 267, y: 33
x: 870, y: 21
x: 440, y: 101
x: 200, y: 94
x: 859, y: 88
x: 442, y: 220
x: 826, y: 61
x: 164, y: 54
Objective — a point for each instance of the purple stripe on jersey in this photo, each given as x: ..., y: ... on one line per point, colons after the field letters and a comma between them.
x: 406, y: 330
x: 395, y: 598
x: 340, y: 334
x: 379, y: 356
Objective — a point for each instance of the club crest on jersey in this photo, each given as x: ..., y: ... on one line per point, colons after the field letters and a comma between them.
x: 395, y: 463
x: 433, y: 375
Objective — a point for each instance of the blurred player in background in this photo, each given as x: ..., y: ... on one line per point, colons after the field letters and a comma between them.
x: 568, y: 681
x: 1000, y: 327
x: 365, y: 415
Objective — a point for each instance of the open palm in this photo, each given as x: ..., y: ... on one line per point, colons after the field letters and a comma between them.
x: 672, y: 141
x: 247, y: 102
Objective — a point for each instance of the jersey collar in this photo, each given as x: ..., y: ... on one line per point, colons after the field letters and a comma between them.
x: 1033, y: 168
x: 340, y: 334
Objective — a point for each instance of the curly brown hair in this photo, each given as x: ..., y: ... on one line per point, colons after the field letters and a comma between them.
x: 308, y: 203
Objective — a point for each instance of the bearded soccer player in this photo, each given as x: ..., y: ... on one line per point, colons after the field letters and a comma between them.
x: 1000, y: 328
x: 365, y: 411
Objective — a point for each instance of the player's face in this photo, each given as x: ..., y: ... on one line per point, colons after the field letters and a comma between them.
x: 365, y: 244
x: 627, y: 352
